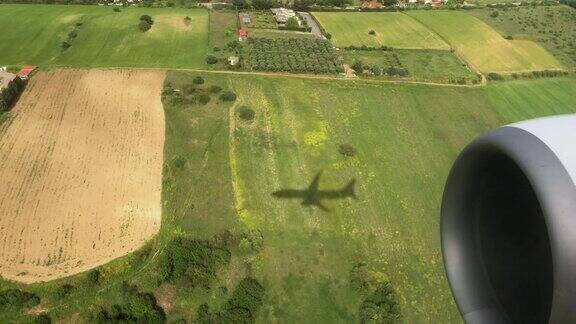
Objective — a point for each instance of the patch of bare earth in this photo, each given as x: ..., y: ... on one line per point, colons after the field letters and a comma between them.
x: 80, y: 171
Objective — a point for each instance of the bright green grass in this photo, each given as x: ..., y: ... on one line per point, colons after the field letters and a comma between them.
x: 554, y: 27
x: 483, y: 47
x: 33, y: 35
x: 423, y: 65
x: 392, y: 29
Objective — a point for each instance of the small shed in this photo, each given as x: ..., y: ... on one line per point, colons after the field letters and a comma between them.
x: 26, y: 71
x: 233, y: 60
x: 245, y: 18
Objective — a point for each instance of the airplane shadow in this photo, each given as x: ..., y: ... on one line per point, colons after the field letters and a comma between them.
x: 313, y: 196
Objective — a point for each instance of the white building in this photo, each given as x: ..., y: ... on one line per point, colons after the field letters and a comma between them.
x: 282, y: 14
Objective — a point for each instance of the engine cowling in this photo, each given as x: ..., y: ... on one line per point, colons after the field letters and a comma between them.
x: 508, y: 224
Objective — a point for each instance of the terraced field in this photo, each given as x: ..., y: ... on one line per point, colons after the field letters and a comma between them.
x: 391, y: 29
x: 104, y: 38
x: 484, y: 48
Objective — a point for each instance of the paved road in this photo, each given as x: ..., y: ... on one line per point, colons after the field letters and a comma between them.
x: 312, y: 23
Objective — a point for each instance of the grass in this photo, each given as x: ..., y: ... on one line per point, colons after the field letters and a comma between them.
x: 406, y: 137
x: 392, y: 29
x: 554, y: 27
x: 423, y: 65
x: 483, y: 47
x: 105, y: 39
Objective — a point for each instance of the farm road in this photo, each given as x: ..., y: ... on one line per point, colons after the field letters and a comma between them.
x: 312, y: 23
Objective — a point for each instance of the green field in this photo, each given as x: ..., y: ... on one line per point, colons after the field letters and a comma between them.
x: 392, y: 29
x: 105, y: 38
x: 422, y: 65
x: 220, y: 172
x: 483, y: 47
x: 554, y: 27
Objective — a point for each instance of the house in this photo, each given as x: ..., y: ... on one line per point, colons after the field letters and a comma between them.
x: 26, y: 71
x: 242, y: 34
x: 371, y: 5
x: 282, y: 14
x: 437, y: 3
x: 6, y: 78
x: 245, y: 18
x: 233, y: 60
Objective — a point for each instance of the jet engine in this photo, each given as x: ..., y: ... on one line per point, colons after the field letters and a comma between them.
x: 508, y: 224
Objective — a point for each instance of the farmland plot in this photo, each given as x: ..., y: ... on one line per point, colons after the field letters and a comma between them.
x: 80, y: 164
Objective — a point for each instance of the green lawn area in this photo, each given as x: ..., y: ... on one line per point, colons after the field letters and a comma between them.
x: 482, y: 46
x: 105, y: 39
x: 422, y: 65
x: 392, y: 29
x: 220, y: 172
x: 553, y: 27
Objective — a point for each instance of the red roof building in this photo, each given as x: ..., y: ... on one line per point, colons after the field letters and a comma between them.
x: 371, y: 5
x: 26, y: 71
x: 243, y: 33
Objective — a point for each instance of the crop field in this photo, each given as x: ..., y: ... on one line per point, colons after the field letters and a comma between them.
x: 483, y: 47
x: 553, y: 27
x: 427, y: 65
x: 81, y: 167
x: 104, y: 38
x: 391, y: 29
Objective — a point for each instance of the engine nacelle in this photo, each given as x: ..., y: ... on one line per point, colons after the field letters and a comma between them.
x: 509, y: 224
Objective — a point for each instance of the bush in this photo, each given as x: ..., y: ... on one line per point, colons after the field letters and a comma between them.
x: 42, y: 319
x: 347, y: 150
x: 244, y: 302
x: 137, y: 307
x: 116, y: 9
x: 494, y: 76
x: 381, y: 305
x: 372, y: 32
x: 211, y: 59
x: 292, y: 23
x: 66, y: 45
x: 494, y: 14
x: 204, y: 98
x: 214, y: 89
x: 376, y: 70
x: 64, y: 291
x: 228, y: 96
x: 15, y: 298
x: 246, y: 113
x: 144, y: 26
x: 328, y: 36
x: 93, y: 277
x: 198, y: 80
x: 193, y: 260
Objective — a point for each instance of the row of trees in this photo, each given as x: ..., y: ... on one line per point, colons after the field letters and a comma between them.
x: 293, y: 55
x: 297, y: 4
x: 9, y: 94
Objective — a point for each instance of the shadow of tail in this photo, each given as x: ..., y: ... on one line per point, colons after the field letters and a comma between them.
x: 349, y: 189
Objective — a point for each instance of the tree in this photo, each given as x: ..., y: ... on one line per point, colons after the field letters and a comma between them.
x: 198, y: 80
x: 64, y: 291
x: 494, y: 14
x: 144, y: 26
x: 358, y: 67
x: 372, y: 32
x: 147, y: 19
x: 211, y: 59
x: 376, y: 70
x: 116, y: 9
x: 228, y: 96
x: 241, y: 4
x: 389, y: 3
x: 66, y: 45
x: 42, y: 319
x: 246, y: 114
x: 292, y: 23
x: 204, y: 98
x: 187, y: 20
x: 303, y: 5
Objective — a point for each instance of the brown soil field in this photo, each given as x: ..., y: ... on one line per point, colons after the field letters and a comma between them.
x: 81, y: 171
